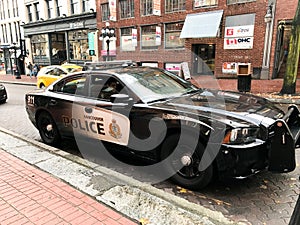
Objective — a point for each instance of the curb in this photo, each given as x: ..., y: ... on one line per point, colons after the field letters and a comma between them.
x: 182, y: 209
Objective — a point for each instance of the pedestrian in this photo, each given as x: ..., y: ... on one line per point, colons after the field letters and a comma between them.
x: 35, y: 70
x: 30, y: 68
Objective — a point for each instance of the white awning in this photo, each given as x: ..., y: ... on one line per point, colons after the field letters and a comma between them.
x: 202, y: 25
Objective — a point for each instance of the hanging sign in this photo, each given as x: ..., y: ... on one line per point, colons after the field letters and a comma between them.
x: 158, y: 36
x: 113, y: 10
x: 134, y: 37
x: 156, y: 7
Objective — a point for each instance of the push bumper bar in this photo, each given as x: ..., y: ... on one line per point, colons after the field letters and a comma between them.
x: 284, y: 134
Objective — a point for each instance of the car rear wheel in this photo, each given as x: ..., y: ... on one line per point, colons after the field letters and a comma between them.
x: 48, y: 129
x: 184, y: 163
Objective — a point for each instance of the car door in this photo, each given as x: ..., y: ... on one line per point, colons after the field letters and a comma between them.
x: 62, y: 98
x: 97, y: 116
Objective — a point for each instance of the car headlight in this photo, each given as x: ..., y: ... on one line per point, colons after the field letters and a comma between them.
x: 241, y: 136
x: 2, y: 87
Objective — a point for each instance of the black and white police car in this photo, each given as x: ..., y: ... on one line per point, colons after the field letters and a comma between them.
x: 195, y: 132
x: 3, y: 94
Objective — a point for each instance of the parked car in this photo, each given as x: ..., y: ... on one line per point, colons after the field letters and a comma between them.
x: 3, y: 94
x: 49, y: 74
x: 195, y: 133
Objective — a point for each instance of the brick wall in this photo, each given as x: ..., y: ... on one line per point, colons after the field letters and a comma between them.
x: 253, y: 56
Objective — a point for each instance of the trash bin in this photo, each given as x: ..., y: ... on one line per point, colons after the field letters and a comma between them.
x: 244, y: 77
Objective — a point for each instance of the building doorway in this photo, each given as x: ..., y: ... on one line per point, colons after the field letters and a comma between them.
x: 203, y: 59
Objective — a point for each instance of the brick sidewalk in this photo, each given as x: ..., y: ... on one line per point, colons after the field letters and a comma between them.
x: 31, y: 196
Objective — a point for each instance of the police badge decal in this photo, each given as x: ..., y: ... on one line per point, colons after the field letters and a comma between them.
x: 114, y: 129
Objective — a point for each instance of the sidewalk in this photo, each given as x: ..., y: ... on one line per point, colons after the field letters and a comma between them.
x: 31, y: 196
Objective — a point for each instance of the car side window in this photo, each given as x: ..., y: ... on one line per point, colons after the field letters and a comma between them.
x: 102, y: 87
x: 74, y: 85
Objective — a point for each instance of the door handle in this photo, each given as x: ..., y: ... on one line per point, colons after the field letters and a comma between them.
x: 52, y: 102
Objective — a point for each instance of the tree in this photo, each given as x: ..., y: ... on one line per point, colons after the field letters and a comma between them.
x: 289, y: 81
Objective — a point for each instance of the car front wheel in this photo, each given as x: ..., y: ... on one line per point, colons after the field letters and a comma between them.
x: 184, y: 162
x: 48, y: 129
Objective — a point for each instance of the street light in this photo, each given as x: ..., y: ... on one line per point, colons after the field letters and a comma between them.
x: 16, y: 70
x: 108, y: 35
x: 267, y: 44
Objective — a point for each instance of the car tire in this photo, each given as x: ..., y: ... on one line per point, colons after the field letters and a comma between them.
x: 2, y: 101
x: 188, y: 176
x: 48, y: 129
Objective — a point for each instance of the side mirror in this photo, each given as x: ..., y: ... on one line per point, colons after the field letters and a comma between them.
x: 121, y: 98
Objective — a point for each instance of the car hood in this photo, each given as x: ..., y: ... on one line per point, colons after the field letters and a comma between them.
x: 228, y: 107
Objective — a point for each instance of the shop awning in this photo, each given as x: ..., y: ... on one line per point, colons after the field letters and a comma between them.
x: 202, y: 25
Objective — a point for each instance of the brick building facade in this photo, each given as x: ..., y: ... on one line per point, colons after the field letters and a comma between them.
x: 218, y: 54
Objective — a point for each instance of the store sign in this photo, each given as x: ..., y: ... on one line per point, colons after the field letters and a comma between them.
x: 77, y: 25
x: 91, y: 39
x: 156, y: 7
x: 113, y: 10
x: 158, y: 36
x: 238, y: 43
x: 134, y: 37
x: 239, y: 31
x: 173, y: 67
x: 229, y: 67
x: 126, y: 43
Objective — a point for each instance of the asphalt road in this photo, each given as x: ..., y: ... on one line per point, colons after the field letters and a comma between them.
x: 265, y: 198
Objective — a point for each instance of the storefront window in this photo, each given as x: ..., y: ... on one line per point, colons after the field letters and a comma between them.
x: 40, y: 48
x: 126, y: 39
x: 78, y: 45
x: 172, y: 34
x: 149, y: 37
x: 58, y: 52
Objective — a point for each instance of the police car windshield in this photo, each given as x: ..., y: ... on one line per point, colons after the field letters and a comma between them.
x: 153, y: 84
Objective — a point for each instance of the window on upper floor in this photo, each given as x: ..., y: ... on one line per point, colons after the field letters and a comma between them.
x: 50, y: 9
x: 75, y: 7
x: 146, y: 7
x: 37, y: 10
x: 29, y: 12
x: 126, y: 8
x: 229, y: 2
x: 15, y: 8
x: 86, y: 5
x: 175, y: 5
x: 205, y: 3
x: 172, y: 35
x: 1, y: 10
x: 105, y: 12
x: 59, y: 7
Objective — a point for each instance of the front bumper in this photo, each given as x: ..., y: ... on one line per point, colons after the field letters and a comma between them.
x: 277, y: 153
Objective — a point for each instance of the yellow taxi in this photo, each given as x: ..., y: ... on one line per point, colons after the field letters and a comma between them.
x: 49, y: 74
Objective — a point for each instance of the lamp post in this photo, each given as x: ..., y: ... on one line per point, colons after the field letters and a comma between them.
x: 107, y: 35
x: 16, y: 70
x: 267, y: 46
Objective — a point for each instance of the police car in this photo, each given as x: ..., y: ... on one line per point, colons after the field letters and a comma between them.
x: 196, y: 133
x: 3, y: 94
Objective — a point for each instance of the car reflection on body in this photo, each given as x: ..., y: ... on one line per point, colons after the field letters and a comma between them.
x: 49, y: 74
x: 3, y: 94
x: 197, y: 133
